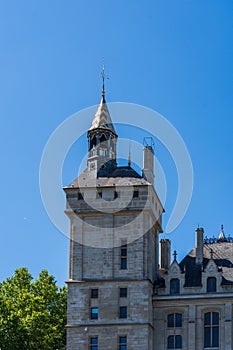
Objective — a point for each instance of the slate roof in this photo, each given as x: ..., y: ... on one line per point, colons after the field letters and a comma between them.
x: 112, y: 177
x: 222, y: 255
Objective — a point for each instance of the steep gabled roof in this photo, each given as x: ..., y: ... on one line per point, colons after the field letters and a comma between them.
x: 222, y: 253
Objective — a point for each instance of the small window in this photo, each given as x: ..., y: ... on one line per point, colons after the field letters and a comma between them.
x: 211, y: 284
x: 123, y: 292
x: 174, y: 320
x: 124, y: 255
x: 174, y: 342
x: 99, y: 194
x: 101, y: 152
x: 94, y: 293
x: 123, y: 312
x: 80, y: 196
x: 115, y: 194
x: 211, y: 330
x: 94, y: 313
x: 122, y: 343
x: 174, y: 286
x: 93, y: 343
x: 135, y: 194
x: 123, y: 263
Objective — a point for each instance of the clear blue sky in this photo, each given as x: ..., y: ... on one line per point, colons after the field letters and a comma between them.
x: 174, y: 56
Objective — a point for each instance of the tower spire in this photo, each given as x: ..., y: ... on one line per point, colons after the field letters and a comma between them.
x: 103, y: 76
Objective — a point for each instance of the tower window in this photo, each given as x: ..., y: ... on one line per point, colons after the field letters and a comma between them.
x: 80, y: 196
x: 123, y: 312
x: 211, y: 330
x: 124, y: 255
x: 94, y: 293
x: 122, y: 343
x: 123, y: 292
x: 135, y: 194
x: 101, y: 152
x: 174, y: 342
x: 174, y: 320
x: 94, y: 313
x: 174, y: 286
x: 93, y: 343
x: 99, y: 194
x: 211, y: 284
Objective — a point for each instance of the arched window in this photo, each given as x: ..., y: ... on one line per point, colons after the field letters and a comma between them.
x: 211, y: 284
x: 174, y: 286
x: 174, y: 341
x: 103, y: 138
x: 93, y: 142
x: 211, y: 330
x: 174, y: 320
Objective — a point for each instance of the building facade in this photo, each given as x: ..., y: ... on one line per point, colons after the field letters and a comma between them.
x: 119, y: 295
x: 193, y: 301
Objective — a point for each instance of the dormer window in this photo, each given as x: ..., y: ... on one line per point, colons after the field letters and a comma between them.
x: 174, y: 286
x: 211, y: 285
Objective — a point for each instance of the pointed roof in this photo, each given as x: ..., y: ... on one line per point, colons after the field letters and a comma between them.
x: 102, y: 119
x: 222, y: 237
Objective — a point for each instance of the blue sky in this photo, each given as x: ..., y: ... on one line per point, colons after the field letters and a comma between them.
x: 174, y: 56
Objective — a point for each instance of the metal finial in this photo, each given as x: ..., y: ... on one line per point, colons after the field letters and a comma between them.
x: 221, y: 227
x: 175, y: 255
x: 103, y: 76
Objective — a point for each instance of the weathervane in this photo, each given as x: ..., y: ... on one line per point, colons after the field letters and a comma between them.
x: 103, y: 76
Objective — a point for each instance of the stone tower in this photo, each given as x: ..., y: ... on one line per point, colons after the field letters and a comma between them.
x: 115, y: 220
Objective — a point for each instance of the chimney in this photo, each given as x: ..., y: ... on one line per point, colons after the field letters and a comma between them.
x: 199, y: 245
x: 165, y: 253
x: 148, y: 164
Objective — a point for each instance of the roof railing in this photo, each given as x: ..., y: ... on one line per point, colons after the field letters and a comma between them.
x: 212, y: 240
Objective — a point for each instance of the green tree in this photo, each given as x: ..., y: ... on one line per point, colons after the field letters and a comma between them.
x: 32, y: 313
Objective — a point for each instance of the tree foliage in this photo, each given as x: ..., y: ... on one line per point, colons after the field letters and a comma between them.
x: 32, y: 312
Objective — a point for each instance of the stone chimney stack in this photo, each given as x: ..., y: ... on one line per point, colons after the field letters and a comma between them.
x: 199, y: 245
x: 148, y: 164
x: 165, y: 253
